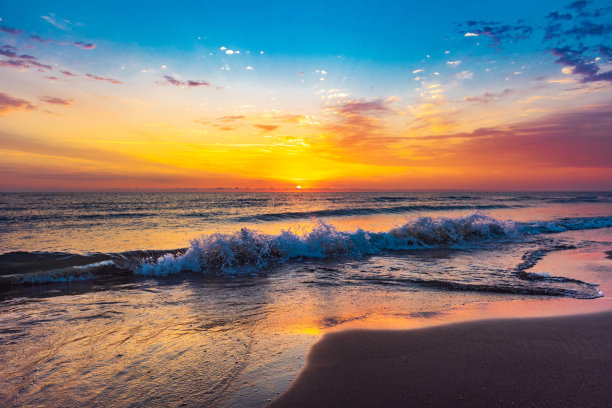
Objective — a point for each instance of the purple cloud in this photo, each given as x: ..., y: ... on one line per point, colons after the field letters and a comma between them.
x: 190, y: 83
x: 79, y: 44
x: 25, y: 63
x: 487, y: 96
x: 39, y: 39
x: 554, y: 15
x: 580, y: 65
x: 84, y: 46
x: 8, y: 103
x: 68, y: 73
x: 198, y: 83
x: 56, y: 101
x: 497, y: 32
x: 9, y: 30
x: 99, y: 78
x: 358, y: 107
x: 587, y: 28
x: 172, y: 81
x: 578, y: 5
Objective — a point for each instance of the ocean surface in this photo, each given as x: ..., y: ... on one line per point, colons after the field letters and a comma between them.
x: 212, y: 299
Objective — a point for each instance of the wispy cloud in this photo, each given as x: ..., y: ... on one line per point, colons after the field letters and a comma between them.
x: 231, y: 118
x: 56, y: 101
x: 495, y: 31
x: 488, y: 96
x: 571, y: 139
x: 21, y: 62
x: 78, y: 44
x: 8, y: 104
x: 580, y: 64
x: 10, y: 30
x: 99, y: 78
x: 359, y: 107
x: 169, y: 80
x: 62, y: 23
x: 464, y: 75
x: 267, y: 128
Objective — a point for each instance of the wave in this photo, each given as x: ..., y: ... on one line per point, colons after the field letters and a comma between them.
x: 249, y: 251
x: 345, y: 212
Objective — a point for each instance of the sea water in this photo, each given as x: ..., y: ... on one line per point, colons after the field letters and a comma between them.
x: 212, y: 299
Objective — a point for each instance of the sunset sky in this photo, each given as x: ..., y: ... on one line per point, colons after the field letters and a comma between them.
x: 352, y: 95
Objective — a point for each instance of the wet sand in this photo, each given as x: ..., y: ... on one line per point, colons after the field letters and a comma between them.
x: 542, y: 362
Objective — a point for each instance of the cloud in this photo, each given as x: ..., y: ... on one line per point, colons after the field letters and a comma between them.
x: 22, y: 61
x: 464, y: 75
x: 231, y: 118
x: 62, y: 24
x: 56, y: 101
x: 26, y: 144
x: 198, y: 83
x: 79, y: 44
x: 267, y: 128
x: 359, y: 107
x: 570, y: 139
x: 168, y: 80
x: 99, y: 78
x: 497, y: 32
x: 8, y: 104
x: 25, y: 64
x: 453, y: 63
x: 358, y: 124
x: 580, y: 64
x: 555, y: 16
x: 578, y: 5
x: 587, y: 28
x: 9, y: 30
x: 488, y: 96
x: 84, y: 46
x: 8, y: 51
x: 68, y: 73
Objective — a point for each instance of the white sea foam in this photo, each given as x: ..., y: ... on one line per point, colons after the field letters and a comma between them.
x: 248, y: 250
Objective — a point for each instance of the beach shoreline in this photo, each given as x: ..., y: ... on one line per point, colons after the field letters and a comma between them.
x: 545, y: 361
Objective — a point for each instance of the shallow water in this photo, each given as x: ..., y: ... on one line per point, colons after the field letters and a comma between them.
x: 237, y: 338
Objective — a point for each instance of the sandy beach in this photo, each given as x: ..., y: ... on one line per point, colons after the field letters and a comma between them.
x: 531, y: 362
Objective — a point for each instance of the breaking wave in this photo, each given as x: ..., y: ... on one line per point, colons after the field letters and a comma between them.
x: 249, y: 251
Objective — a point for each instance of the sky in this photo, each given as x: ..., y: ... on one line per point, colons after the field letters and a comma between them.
x: 325, y: 95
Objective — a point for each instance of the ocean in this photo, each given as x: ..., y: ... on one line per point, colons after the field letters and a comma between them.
x: 213, y: 298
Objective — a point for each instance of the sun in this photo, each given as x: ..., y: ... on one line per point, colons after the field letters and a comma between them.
x: 298, y: 187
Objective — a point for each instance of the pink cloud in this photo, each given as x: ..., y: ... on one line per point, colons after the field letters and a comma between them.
x: 99, y: 78
x: 24, y: 64
x: 190, y: 83
x: 9, y: 30
x: 56, y: 101
x: 84, y: 46
x: 8, y: 103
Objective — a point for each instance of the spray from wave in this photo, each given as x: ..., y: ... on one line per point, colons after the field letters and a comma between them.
x: 249, y: 251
